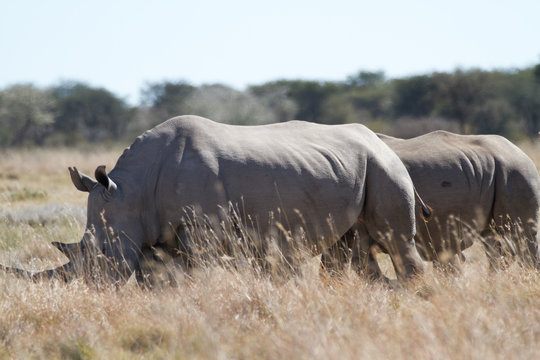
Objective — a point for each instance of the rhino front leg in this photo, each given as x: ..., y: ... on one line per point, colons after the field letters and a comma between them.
x: 156, y: 269
x: 121, y: 258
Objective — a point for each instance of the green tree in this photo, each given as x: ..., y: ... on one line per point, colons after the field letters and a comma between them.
x: 308, y: 96
x: 536, y: 74
x: 366, y: 79
x: 460, y: 93
x: 92, y: 114
x: 358, y: 104
x: 494, y: 116
x: 275, y: 97
x: 364, y: 97
x: 166, y: 99
x: 414, y: 96
x: 224, y: 104
x: 26, y: 115
x: 522, y: 90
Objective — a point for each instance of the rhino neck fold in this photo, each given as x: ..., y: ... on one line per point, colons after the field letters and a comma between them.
x: 138, y: 171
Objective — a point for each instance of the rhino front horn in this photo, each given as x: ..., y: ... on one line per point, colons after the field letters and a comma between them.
x: 64, y: 272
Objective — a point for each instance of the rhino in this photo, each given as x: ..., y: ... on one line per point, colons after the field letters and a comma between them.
x: 316, y: 181
x: 476, y: 184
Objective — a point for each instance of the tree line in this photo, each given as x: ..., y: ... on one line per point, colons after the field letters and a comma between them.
x: 505, y: 102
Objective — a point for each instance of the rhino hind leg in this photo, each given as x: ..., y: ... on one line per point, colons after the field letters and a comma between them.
x: 356, y: 250
x: 452, y: 264
x: 494, y: 246
x: 500, y: 246
x: 516, y: 216
x: 338, y: 257
x: 511, y: 239
x: 400, y: 246
x: 528, y: 249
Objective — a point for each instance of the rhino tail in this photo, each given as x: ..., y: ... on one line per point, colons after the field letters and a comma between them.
x: 427, y: 211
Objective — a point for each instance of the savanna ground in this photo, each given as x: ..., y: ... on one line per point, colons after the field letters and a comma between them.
x: 222, y: 312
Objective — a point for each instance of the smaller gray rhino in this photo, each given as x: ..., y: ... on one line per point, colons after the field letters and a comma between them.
x: 479, y: 184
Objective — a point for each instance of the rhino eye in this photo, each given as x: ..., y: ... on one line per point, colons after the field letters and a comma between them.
x: 446, y: 184
x: 107, y: 196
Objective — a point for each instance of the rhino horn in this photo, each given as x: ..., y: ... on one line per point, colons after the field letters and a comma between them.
x: 71, y: 250
x: 64, y: 272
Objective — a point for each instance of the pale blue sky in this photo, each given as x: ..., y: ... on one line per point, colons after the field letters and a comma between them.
x: 121, y: 45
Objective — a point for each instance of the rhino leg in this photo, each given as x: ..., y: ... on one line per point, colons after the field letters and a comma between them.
x: 398, y: 242
x: 154, y: 269
x: 529, y: 246
x: 389, y: 215
x: 511, y: 240
x: 354, y: 249
x: 448, y: 258
x: 407, y: 262
x: 495, y: 251
x: 520, y: 198
x: 176, y: 240
x: 335, y: 258
x: 452, y: 263
x: 366, y: 261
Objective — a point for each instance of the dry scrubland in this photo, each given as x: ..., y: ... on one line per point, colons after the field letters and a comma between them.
x: 236, y: 313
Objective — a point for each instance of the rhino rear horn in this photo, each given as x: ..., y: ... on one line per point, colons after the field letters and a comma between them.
x: 71, y: 250
x: 81, y: 181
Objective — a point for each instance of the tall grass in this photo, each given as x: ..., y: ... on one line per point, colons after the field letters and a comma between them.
x: 235, y: 309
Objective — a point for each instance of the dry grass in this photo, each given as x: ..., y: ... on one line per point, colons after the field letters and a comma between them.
x: 222, y: 312
x: 40, y: 176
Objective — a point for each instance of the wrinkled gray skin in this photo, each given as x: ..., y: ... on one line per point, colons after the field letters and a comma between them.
x: 343, y: 171
x: 474, y: 183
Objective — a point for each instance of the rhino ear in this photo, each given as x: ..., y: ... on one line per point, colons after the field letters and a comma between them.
x: 104, y: 179
x: 81, y: 181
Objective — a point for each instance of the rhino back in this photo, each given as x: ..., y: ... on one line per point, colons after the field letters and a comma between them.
x: 298, y: 167
x: 470, y: 177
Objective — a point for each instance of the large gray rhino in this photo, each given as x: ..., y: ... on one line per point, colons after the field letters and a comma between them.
x: 480, y: 184
x: 324, y: 179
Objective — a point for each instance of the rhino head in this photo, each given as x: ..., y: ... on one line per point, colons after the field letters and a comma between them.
x: 111, y: 244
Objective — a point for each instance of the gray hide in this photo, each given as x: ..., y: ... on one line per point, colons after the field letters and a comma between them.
x: 479, y: 184
x: 344, y: 172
